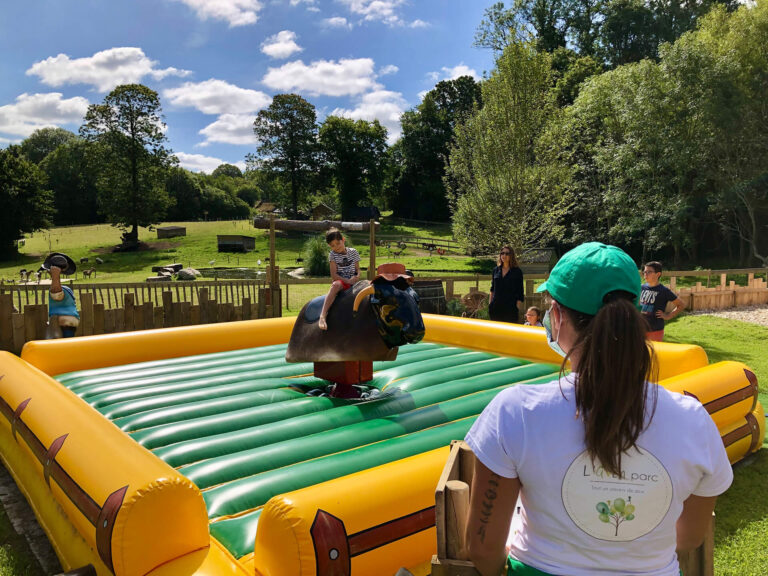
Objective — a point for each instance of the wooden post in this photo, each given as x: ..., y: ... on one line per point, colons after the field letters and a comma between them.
x: 457, y: 510
x: 87, y: 323
x: 18, y: 331
x: 6, y: 321
x: 372, y: 244
x: 168, y: 309
x: 128, y: 312
x: 271, y: 250
x: 449, y: 295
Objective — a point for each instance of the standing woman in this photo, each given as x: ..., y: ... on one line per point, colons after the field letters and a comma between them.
x: 614, y: 472
x: 507, y: 295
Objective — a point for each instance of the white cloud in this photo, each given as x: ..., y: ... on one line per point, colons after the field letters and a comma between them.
x: 455, y: 72
x: 382, y: 11
x: 311, y: 4
x: 337, y: 22
x: 201, y: 163
x: 388, y: 69
x: 235, y: 12
x: 104, y: 70
x: 382, y: 105
x: 346, y: 77
x: 217, y: 97
x: 230, y: 129
x: 281, y: 45
x: 33, y: 111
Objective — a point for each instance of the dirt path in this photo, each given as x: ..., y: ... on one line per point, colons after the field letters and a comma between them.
x: 754, y: 314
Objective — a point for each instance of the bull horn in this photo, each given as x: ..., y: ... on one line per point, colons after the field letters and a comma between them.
x: 367, y: 291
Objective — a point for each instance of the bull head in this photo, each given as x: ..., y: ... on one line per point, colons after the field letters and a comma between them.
x: 366, y: 322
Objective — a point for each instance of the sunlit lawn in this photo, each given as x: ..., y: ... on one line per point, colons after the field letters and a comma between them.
x: 741, y: 534
x: 198, y: 249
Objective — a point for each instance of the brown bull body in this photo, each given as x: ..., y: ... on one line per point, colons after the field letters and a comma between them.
x: 351, y: 336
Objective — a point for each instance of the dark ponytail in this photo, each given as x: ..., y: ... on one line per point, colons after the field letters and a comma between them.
x: 615, y: 365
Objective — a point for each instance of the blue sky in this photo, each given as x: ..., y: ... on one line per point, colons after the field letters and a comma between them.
x: 216, y: 63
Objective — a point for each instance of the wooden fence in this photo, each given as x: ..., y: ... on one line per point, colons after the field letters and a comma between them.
x: 110, y: 308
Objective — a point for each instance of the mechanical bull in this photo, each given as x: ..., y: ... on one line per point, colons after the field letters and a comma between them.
x: 365, y: 323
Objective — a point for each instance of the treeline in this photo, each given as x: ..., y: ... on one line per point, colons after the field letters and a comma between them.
x: 638, y: 123
x: 667, y: 156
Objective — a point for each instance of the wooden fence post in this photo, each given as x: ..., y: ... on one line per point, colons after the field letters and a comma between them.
x: 6, y: 321
x: 128, y: 312
x: 98, y: 318
x: 86, y: 315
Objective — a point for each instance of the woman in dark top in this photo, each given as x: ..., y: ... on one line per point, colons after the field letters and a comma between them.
x: 506, y: 288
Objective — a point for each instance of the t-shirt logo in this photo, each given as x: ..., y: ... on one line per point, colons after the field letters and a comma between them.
x: 617, y: 508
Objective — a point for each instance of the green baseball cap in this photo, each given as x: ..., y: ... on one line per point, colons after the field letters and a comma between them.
x: 583, y: 276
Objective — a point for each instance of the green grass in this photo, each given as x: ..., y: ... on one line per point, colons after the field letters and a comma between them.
x: 199, y: 248
x: 16, y: 559
x: 741, y: 533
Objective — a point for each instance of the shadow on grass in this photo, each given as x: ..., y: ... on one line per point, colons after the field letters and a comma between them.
x: 744, y: 503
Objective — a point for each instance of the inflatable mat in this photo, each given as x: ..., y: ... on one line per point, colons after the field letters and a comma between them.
x: 199, y: 450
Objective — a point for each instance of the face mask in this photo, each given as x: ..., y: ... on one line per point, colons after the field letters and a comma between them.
x: 547, y: 323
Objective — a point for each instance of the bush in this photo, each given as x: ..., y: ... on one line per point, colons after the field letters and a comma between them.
x: 454, y: 307
x: 316, y: 257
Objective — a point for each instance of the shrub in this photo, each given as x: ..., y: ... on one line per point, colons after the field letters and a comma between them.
x: 316, y: 257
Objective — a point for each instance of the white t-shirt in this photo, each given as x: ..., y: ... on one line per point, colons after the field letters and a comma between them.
x: 580, y: 521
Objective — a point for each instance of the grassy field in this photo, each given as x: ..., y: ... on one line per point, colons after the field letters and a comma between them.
x: 199, y: 248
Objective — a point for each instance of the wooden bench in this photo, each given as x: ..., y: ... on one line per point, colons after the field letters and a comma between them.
x: 452, y: 506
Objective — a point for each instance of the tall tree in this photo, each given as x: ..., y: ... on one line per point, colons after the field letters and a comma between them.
x: 72, y: 177
x: 423, y: 148
x: 356, y: 152
x: 287, y: 135
x: 499, y: 192
x: 44, y: 141
x: 27, y: 205
x: 134, y: 160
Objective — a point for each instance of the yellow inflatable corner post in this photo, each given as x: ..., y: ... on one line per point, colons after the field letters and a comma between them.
x: 133, y: 510
x: 323, y: 529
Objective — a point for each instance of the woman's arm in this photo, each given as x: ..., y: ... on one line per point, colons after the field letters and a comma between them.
x: 492, y: 502
x: 694, y: 522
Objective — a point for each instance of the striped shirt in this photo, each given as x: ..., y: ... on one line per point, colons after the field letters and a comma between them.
x: 345, y: 263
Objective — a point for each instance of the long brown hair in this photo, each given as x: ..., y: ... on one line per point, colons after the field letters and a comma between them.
x: 615, y: 367
x: 512, y: 258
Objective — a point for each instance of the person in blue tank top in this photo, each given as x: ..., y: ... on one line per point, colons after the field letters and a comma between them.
x: 62, y: 308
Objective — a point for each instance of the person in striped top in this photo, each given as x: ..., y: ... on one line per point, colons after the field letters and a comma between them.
x: 345, y: 270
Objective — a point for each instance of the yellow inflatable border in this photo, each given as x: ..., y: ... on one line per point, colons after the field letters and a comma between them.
x: 147, y: 543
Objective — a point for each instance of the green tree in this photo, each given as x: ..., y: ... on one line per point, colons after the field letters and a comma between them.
x: 72, y: 177
x: 185, y: 194
x: 422, y: 151
x: 44, y: 141
x: 228, y: 170
x: 133, y: 159
x: 355, y: 152
x: 287, y: 135
x: 499, y: 193
x: 27, y: 204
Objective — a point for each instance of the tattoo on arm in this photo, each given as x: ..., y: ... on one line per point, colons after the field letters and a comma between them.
x: 486, y: 509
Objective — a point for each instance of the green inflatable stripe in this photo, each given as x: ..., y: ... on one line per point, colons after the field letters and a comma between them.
x: 69, y: 377
x: 215, y: 402
x: 237, y: 535
x: 438, y: 376
x: 269, y: 368
x: 412, y: 369
x: 291, y: 451
x: 162, y: 435
x: 160, y: 389
x: 142, y: 405
x: 248, y: 493
x: 265, y: 412
x: 191, y: 451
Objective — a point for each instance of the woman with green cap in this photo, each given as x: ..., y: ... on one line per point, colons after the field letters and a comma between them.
x: 613, y: 473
